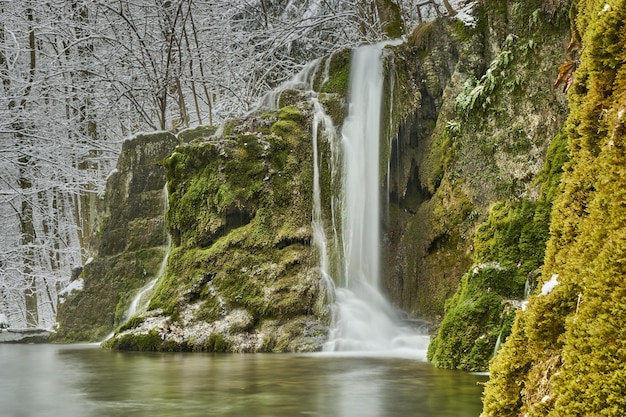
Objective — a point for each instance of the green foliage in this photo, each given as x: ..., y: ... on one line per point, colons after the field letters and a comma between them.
x: 147, y: 342
x: 514, y: 233
x: 461, y: 341
x: 290, y: 113
x: 508, y: 247
x: 549, y: 177
x: 214, y: 185
x: 287, y: 129
x: 478, y: 92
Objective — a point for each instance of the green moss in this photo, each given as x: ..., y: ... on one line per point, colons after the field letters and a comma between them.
x: 565, y: 354
x: 148, y: 342
x: 131, y: 323
x: 217, y: 343
x: 200, y: 132
x: 514, y: 233
x: 288, y: 130
x: 549, y: 177
x: 334, y: 106
x: 290, y: 113
x: 339, y: 74
x: 462, y: 340
x: 240, y: 206
x: 475, y: 317
x: 508, y: 248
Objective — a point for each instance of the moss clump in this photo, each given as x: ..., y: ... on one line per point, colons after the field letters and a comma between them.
x: 290, y: 113
x: 468, y: 333
x: 131, y: 323
x: 566, y: 353
x: 203, y: 204
x: 335, y: 106
x: 148, y: 342
x: 514, y: 233
x: 338, y: 74
x: 198, y: 133
x: 216, y: 343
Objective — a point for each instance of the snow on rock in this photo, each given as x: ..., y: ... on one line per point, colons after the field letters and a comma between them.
x: 488, y: 265
x: 464, y: 9
x: 76, y: 285
x: 549, y: 285
x: 4, y: 321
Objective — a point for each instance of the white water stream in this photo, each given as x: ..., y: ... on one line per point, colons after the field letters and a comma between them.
x: 140, y: 302
x: 142, y: 298
x: 364, y: 321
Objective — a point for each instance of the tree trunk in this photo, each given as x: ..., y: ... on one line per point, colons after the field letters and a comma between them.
x: 27, y: 226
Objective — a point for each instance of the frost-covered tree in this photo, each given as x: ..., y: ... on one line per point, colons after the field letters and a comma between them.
x: 47, y: 146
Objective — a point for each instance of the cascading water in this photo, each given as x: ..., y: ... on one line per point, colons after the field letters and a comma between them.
x: 142, y: 298
x: 364, y: 322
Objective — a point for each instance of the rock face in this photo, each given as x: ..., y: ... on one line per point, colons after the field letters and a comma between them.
x: 469, y: 189
x: 129, y: 246
x: 242, y: 275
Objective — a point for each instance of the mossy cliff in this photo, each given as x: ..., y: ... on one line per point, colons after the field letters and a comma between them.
x: 129, y: 245
x: 242, y: 275
x: 469, y: 197
x: 566, y: 354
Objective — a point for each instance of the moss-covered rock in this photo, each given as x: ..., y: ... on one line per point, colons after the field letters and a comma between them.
x: 566, y: 356
x: 240, y: 217
x: 475, y: 113
x: 336, y: 79
x: 130, y: 245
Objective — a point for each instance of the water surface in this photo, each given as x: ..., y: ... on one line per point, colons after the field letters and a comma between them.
x: 85, y: 381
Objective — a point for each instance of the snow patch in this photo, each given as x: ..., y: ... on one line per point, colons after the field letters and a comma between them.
x: 76, y: 285
x: 464, y: 10
x: 4, y: 321
x: 487, y: 265
x: 549, y: 285
x: 110, y: 174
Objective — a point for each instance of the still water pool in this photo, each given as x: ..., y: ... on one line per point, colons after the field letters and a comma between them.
x: 86, y: 381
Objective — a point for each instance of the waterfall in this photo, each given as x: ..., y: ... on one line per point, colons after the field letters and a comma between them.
x: 142, y: 298
x: 496, y: 348
x: 364, y: 321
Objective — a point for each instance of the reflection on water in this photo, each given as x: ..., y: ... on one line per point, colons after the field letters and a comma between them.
x: 83, y: 381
